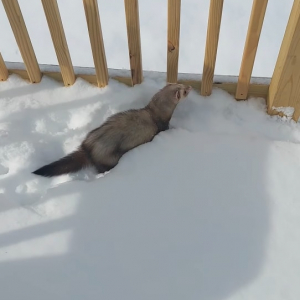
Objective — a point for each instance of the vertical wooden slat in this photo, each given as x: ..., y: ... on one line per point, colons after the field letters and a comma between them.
x: 251, y: 44
x: 173, y: 40
x: 134, y: 40
x: 3, y: 69
x: 96, y: 39
x: 19, y: 29
x: 211, y: 47
x: 284, y: 90
x: 59, y: 40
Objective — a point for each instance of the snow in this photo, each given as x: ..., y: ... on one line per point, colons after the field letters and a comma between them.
x: 287, y: 111
x: 209, y: 209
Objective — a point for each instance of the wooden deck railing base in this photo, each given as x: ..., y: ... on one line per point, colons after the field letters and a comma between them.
x: 226, y: 83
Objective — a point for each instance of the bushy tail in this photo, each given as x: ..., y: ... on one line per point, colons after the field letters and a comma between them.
x: 71, y: 163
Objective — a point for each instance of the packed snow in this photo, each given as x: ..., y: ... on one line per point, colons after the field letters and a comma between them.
x: 208, y: 210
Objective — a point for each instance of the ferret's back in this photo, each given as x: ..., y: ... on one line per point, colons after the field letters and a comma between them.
x: 121, y: 133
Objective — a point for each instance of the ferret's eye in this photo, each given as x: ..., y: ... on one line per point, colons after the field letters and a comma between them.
x: 184, y: 93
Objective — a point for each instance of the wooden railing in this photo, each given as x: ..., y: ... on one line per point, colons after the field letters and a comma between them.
x: 283, y: 91
x: 252, y: 39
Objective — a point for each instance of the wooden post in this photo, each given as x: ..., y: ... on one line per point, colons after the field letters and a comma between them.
x: 96, y: 39
x: 253, y: 34
x: 284, y: 90
x: 3, y: 69
x: 59, y: 40
x: 134, y: 40
x: 19, y: 29
x: 173, y: 40
x: 211, y: 47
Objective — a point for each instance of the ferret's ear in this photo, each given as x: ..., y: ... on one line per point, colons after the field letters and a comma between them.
x: 177, y: 95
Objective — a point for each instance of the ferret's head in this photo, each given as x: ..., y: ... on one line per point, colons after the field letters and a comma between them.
x: 165, y: 101
x: 177, y: 91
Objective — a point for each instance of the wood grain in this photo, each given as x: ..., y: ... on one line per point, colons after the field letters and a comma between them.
x: 254, y: 29
x: 255, y: 90
x: 211, y: 47
x: 173, y: 40
x: 3, y: 69
x: 284, y: 88
x: 19, y: 29
x: 96, y: 40
x: 59, y: 40
x: 134, y: 40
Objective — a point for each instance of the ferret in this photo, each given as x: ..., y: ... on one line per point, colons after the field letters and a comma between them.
x: 104, y: 146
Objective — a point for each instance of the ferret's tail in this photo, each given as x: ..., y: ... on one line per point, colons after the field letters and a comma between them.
x: 71, y: 163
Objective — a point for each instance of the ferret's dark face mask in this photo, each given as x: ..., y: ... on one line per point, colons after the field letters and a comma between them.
x: 182, y: 93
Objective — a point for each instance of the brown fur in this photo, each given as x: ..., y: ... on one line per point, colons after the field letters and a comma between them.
x: 104, y: 146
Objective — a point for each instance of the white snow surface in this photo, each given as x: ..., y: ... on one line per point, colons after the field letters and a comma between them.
x: 287, y: 111
x: 209, y: 209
